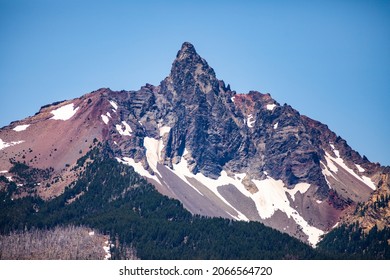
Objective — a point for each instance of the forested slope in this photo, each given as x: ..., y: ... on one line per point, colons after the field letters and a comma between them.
x: 114, y: 199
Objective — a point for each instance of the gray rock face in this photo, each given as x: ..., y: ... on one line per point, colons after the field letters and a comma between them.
x: 202, y: 122
x: 222, y: 130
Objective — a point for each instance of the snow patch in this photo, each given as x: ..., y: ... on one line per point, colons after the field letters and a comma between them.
x: 276, y: 125
x: 270, y: 107
x: 105, y: 119
x: 124, y: 129
x: 250, y: 120
x: 318, y: 201
x: 3, y: 171
x: 64, y: 113
x: 164, y: 130
x: 326, y: 172
x: 153, y: 152
x: 330, y: 163
x: 113, y: 104
x: 360, y: 169
x: 91, y: 233
x: 137, y: 167
x: 154, y: 149
x: 300, y: 187
x: 4, y: 145
x: 21, y: 127
x: 336, y: 225
x: 336, y: 152
x: 364, y: 179
x: 232, y: 99
x: 331, y: 160
x: 272, y: 197
x: 369, y: 182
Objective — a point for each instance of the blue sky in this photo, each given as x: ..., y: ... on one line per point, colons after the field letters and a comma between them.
x: 328, y: 59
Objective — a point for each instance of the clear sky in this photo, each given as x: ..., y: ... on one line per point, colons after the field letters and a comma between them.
x: 328, y: 59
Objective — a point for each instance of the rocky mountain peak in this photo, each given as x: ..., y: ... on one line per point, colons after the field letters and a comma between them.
x: 191, y: 74
x: 187, y: 49
x: 223, y: 154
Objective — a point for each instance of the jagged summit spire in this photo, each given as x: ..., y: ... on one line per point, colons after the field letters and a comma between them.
x: 187, y: 49
x: 189, y: 69
x: 190, y: 66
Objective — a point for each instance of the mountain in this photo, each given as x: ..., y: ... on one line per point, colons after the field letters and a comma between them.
x: 220, y: 153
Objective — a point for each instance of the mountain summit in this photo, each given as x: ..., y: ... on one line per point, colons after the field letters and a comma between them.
x: 190, y: 74
x: 187, y: 50
x: 220, y: 153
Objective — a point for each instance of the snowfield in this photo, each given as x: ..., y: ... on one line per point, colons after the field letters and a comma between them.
x: 105, y: 119
x: 270, y: 197
x: 270, y: 107
x: 331, y: 167
x: 137, y: 167
x: 4, y: 145
x: 64, y: 113
x: 360, y: 169
x: 124, y: 129
x: 114, y: 105
x: 164, y: 130
x: 21, y: 127
x: 250, y: 121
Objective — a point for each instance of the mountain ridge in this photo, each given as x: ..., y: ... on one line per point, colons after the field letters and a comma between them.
x: 222, y: 154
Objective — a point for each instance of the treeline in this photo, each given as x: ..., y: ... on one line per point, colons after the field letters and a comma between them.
x: 118, y: 202
x: 114, y: 199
